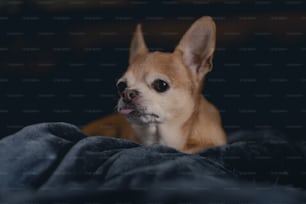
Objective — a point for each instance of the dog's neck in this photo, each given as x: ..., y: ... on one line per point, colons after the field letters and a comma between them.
x: 174, y: 133
x: 164, y: 134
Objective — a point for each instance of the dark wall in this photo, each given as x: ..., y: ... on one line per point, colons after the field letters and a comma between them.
x: 59, y: 60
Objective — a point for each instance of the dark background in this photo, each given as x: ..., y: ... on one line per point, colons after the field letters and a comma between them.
x: 59, y: 60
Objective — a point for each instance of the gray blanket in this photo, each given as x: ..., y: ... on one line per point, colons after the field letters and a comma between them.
x: 56, y: 163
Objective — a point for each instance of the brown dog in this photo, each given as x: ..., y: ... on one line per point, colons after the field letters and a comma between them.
x: 161, y: 99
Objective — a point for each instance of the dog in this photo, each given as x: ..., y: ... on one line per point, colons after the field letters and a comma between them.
x: 161, y: 99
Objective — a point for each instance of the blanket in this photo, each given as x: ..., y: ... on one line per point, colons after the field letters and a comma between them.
x: 57, y: 163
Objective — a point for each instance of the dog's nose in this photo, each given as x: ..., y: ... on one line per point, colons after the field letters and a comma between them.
x: 129, y: 95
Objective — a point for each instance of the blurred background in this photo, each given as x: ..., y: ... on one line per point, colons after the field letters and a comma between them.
x: 60, y: 59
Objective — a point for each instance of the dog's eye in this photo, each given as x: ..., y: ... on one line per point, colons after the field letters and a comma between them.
x: 160, y: 85
x: 121, y: 86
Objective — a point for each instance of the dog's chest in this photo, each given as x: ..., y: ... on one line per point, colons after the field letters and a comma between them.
x: 158, y: 134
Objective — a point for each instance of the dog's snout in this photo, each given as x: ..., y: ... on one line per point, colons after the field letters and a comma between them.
x: 130, y: 94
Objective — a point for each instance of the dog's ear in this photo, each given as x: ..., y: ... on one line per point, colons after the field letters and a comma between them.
x: 197, y: 46
x: 138, y: 46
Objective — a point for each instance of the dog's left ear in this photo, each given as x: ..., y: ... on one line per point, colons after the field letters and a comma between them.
x: 198, y: 45
x: 138, y: 46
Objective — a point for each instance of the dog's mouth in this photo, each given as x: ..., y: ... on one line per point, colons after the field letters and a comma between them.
x: 132, y: 112
x: 127, y: 111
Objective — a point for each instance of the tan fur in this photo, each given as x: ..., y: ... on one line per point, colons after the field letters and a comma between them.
x: 114, y: 125
x: 183, y: 118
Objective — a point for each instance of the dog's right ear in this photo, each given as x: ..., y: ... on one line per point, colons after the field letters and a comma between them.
x: 138, y: 46
x: 198, y: 45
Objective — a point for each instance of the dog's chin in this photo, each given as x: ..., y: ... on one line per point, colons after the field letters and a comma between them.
x: 141, y: 117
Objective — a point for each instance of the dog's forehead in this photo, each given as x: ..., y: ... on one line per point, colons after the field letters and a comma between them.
x: 159, y: 62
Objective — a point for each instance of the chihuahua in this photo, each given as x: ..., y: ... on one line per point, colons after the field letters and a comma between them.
x: 161, y: 99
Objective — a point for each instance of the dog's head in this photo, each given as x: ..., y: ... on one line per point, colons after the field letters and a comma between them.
x: 163, y: 87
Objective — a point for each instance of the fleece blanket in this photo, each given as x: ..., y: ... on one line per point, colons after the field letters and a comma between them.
x: 56, y: 163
